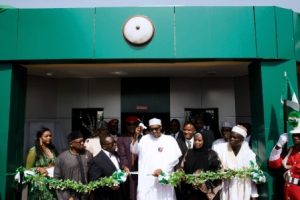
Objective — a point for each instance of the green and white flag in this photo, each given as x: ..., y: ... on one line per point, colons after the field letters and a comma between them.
x: 290, y: 96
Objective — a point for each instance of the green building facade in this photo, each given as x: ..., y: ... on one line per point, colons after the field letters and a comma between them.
x: 269, y: 37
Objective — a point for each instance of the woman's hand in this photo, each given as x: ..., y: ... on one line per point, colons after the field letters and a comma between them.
x: 42, y: 171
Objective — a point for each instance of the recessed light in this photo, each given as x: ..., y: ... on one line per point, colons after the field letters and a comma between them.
x: 49, y: 73
x: 119, y: 73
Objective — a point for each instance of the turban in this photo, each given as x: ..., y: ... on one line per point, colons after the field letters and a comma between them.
x: 239, y: 130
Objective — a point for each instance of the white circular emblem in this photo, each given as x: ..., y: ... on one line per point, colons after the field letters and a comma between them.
x: 138, y: 30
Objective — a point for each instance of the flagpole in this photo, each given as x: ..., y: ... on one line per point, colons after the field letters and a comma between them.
x: 285, y: 116
x: 285, y: 110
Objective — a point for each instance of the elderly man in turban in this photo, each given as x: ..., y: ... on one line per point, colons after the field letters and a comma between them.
x: 157, y: 153
x: 236, y: 154
x: 72, y: 164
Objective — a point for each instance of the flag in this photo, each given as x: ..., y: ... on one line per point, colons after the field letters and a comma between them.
x: 292, y: 100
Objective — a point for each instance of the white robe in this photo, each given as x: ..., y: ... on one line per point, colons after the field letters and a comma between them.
x: 155, y: 153
x: 236, y: 188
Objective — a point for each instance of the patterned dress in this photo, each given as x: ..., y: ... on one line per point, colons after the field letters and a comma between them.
x: 44, y: 160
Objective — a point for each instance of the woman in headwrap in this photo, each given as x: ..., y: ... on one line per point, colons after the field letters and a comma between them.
x: 198, y: 159
x: 41, y: 157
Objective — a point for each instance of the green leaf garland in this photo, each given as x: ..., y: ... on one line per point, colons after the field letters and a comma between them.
x: 253, y: 172
x: 41, y: 183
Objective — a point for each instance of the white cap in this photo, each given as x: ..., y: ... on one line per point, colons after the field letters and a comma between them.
x: 227, y: 124
x: 239, y: 130
x: 154, y: 121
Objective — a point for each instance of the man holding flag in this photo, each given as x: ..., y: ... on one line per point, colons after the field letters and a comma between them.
x: 290, y: 160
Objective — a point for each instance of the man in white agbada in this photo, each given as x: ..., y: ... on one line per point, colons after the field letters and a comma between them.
x: 236, y: 154
x: 156, y: 153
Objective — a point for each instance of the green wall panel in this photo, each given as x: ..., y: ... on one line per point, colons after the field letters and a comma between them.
x: 56, y: 33
x: 110, y: 44
x: 16, y: 127
x: 297, y: 35
x: 265, y: 28
x: 215, y: 32
x: 5, y: 88
x: 267, y: 116
x: 8, y: 34
x: 13, y: 92
x: 285, y: 33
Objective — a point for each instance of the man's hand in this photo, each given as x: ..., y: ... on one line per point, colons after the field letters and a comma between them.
x: 283, y: 139
x: 157, y: 172
x: 127, y: 171
x: 115, y: 187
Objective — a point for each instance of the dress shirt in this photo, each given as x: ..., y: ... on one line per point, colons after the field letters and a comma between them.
x: 113, y: 159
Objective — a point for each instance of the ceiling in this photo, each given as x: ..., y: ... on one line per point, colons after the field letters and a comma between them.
x: 145, y: 69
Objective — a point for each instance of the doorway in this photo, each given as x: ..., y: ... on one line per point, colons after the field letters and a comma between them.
x: 145, y: 98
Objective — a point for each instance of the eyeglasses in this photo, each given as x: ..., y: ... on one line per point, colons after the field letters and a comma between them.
x: 155, y: 129
x: 111, y: 143
x: 78, y: 141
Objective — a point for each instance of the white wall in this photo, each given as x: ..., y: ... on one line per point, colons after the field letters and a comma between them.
x: 49, y: 103
x: 88, y: 93
x: 203, y: 93
x: 53, y: 99
x: 41, y: 98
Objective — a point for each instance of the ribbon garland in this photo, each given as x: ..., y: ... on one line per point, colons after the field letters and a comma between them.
x: 39, y: 181
x: 253, y: 172
x: 119, y: 176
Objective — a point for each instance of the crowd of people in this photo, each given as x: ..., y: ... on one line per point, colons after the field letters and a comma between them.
x: 145, y: 155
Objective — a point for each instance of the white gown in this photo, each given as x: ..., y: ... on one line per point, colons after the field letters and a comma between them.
x: 155, y: 153
x: 236, y: 188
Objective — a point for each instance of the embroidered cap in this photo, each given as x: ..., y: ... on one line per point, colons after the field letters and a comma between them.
x: 239, y: 130
x: 154, y: 121
x: 227, y: 124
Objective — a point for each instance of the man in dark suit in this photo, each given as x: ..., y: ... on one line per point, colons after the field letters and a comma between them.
x: 104, y: 164
x: 175, y: 129
x: 185, y: 142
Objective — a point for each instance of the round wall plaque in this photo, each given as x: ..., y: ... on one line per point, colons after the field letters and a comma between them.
x: 138, y: 30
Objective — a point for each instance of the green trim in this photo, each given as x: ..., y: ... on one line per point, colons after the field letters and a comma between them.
x: 297, y: 35
x: 5, y: 88
x: 180, y: 33
x: 13, y: 89
x: 267, y: 116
